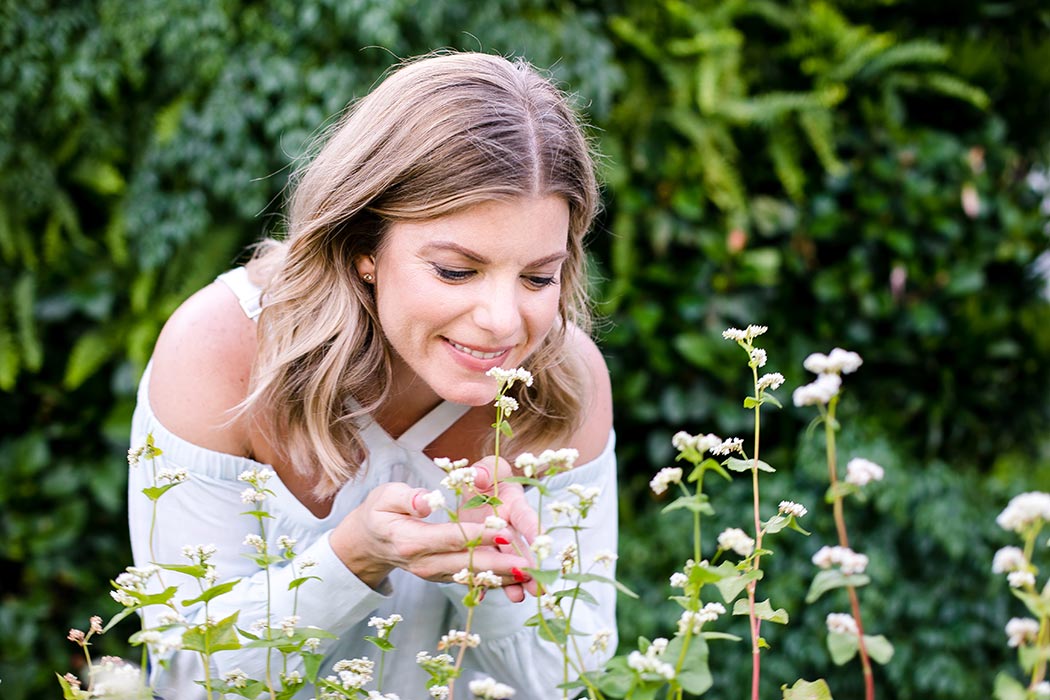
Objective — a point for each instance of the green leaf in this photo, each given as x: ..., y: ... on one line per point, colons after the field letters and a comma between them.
x: 579, y: 593
x: 89, y: 352
x: 585, y: 578
x: 1039, y: 606
x: 213, y: 592
x: 1008, y: 688
x: 842, y: 647
x: 68, y: 693
x: 220, y: 637
x: 763, y: 611
x: 311, y: 665
x: 383, y: 644
x: 695, y: 675
x: 841, y: 489
x: 879, y: 649
x: 295, y: 583
x: 544, y: 576
x: 476, y: 502
x: 772, y: 399
x: 807, y: 690
x: 752, y: 402
x: 194, y: 570
x: 828, y: 579
x: 504, y: 427
x: 730, y: 588
x: 743, y: 465
x: 617, y: 679
x: 697, y: 503
x: 155, y: 492
x: 721, y: 635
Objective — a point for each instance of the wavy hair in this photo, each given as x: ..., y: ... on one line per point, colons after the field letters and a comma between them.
x: 439, y: 134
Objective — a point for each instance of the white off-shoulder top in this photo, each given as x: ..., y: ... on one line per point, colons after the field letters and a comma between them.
x: 207, y: 509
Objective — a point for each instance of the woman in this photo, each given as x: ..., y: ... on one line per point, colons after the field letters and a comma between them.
x: 436, y: 235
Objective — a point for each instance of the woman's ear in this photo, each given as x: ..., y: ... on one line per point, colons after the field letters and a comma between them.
x: 366, y: 267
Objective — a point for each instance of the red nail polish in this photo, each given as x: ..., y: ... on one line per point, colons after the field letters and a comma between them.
x: 518, y: 575
x: 500, y: 540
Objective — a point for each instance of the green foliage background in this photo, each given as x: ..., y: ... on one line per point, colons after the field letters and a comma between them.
x: 800, y: 165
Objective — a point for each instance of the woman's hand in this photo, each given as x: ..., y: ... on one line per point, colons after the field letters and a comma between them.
x: 387, y: 531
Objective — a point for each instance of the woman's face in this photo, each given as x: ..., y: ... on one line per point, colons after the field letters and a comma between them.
x: 461, y: 294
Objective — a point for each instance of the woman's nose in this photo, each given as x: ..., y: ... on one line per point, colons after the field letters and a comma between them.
x: 498, y: 311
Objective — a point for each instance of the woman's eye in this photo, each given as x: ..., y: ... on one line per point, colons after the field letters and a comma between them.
x: 539, y: 282
x: 452, y: 275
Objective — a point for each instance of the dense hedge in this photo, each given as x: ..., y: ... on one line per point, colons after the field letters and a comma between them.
x: 849, y: 173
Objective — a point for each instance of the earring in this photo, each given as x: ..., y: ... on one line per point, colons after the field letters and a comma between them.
x: 368, y: 278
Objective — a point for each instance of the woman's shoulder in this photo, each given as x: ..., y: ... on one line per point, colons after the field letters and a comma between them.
x: 201, y: 369
x: 593, y: 433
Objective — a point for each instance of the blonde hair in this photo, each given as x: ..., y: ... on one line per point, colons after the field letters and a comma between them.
x: 439, y: 134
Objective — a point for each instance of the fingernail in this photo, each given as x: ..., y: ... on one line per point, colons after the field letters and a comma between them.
x: 414, y: 497
x: 519, y: 575
x: 500, y: 540
x: 483, y: 469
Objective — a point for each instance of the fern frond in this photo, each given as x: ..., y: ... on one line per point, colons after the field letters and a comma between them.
x: 918, y: 52
x: 953, y: 86
x: 817, y: 125
x: 769, y: 108
x: 783, y: 151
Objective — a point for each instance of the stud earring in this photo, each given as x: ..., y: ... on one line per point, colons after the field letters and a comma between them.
x: 368, y: 278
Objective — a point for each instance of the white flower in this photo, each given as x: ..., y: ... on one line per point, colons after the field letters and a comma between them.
x: 733, y: 538
x: 541, y: 547
x: 527, y: 463
x: 286, y: 542
x: 306, y: 563
x: 679, y: 580
x: 200, y: 553
x: 434, y: 499
x: 376, y: 695
x: 820, y: 391
x: 1022, y: 631
x: 729, y: 446
x: 292, y: 678
x: 506, y: 404
x: 558, y: 509
x: 750, y: 333
x: 255, y: 541
x: 250, y: 495
x: 860, y: 471
x: 770, y: 382
x: 113, y: 678
x: 849, y: 561
x: 1041, y: 689
x: 568, y: 558
x: 494, y: 522
x: 256, y: 477
x: 587, y: 494
x: 236, y: 678
x: 1025, y: 510
x: 838, y: 361
x: 288, y: 624
x: 446, y: 465
x: 488, y: 689
x: 605, y: 558
x: 1020, y: 579
x: 841, y: 623
x: 559, y: 460
x: 650, y: 662
x: 439, y: 692
x: 507, y: 377
x: 694, y: 621
x: 312, y: 644
x: 1008, y: 559
x: 458, y: 638
x: 173, y: 476
x: 791, y: 508
x: 460, y: 478
x: 601, y: 641
x: 383, y: 625
x: 664, y: 478
x: 758, y: 357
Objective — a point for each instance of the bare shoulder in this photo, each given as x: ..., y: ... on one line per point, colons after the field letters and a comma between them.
x: 201, y: 369
x: 593, y: 434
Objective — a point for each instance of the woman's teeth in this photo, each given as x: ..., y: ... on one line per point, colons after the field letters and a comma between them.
x: 476, y: 353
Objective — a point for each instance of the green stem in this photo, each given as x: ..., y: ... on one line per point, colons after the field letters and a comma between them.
x: 756, y: 623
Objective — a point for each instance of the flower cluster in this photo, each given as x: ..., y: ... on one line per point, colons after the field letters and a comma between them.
x: 506, y: 378
x: 860, y: 472
x: 548, y: 462
x: 693, y: 621
x: 664, y: 478
x: 791, y: 508
x: 1021, y: 631
x: 458, y: 638
x: 744, y: 336
x: 1024, y: 511
x: 735, y: 539
x: 845, y: 558
x: 828, y: 369
x: 488, y: 689
x: 650, y: 662
x: 842, y: 623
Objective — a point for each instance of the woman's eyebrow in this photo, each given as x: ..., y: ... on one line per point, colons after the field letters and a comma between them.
x: 482, y: 260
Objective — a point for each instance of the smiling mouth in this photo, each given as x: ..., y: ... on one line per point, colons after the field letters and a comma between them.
x: 476, y: 353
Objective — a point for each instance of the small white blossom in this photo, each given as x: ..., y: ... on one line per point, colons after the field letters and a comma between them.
x: 250, y: 495
x: 460, y: 478
x: 1024, y: 510
x: 507, y: 377
x: 286, y: 542
x: 458, y: 638
x: 255, y: 541
x: 791, y: 508
x: 770, y: 382
x: 664, y: 478
x: 842, y: 623
x: 506, y: 404
x: 735, y: 539
x: 601, y: 641
x: 292, y: 678
x: 1041, y: 689
x: 728, y: 447
x: 494, y: 522
x: 558, y: 509
x: 383, y: 625
x: 849, y: 561
x: 438, y: 692
x: 256, y: 477
x: 306, y: 563
x: 434, y: 499
x: 236, y: 678
x: 113, y: 678
x: 288, y: 624
x: 559, y: 460
x: 820, y: 391
x: 527, y: 463
x: 758, y: 357
x: 748, y: 334
x: 541, y: 547
x: 605, y: 558
x: 861, y: 471
x: 172, y: 476
x: 1008, y: 559
x: 679, y: 580
x: 376, y: 695
x: 488, y: 689
x: 1020, y: 579
x: 312, y: 644
x: 446, y: 465
x: 694, y: 621
x: 1022, y: 631
x: 838, y: 361
x: 650, y: 662
x: 568, y: 557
